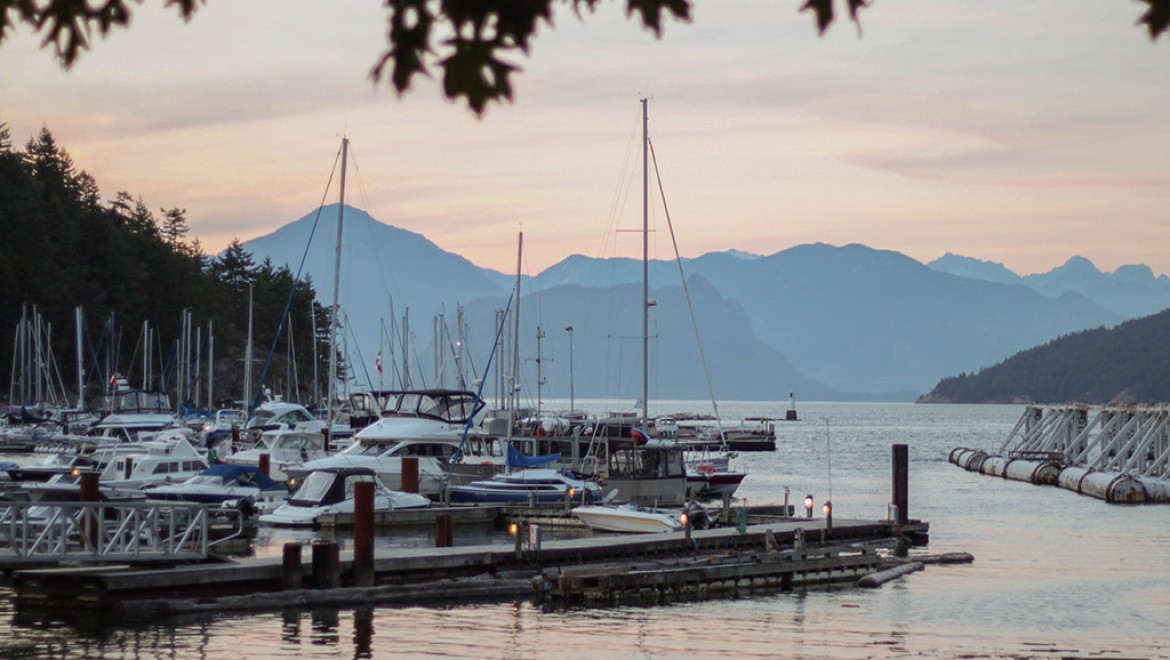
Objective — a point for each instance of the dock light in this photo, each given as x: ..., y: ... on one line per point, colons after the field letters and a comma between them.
x: 292, y: 482
x: 572, y: 492
x: 808, y: 505
x: 828, y: 509
x: 76, y: 472
x: 514, y: 528
x: 683, y: 518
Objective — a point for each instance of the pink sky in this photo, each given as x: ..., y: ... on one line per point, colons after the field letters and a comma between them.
x: 1022, y: 133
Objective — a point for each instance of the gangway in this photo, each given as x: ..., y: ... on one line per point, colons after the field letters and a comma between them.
x: 98, y: 532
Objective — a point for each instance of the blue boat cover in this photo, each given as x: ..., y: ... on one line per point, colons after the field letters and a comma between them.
x: 516, y: 459
x: 231, y: 471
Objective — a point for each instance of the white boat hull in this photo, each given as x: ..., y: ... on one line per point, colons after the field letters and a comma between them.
x: 627, y: 519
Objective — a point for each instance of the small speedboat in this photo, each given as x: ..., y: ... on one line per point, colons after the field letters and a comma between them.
x: 331, y: 490
x: 629, y: 518
x: 222, y: 483
x: 531, y: 486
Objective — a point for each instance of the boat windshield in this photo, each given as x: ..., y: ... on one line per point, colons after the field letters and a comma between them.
x: 314, y: 489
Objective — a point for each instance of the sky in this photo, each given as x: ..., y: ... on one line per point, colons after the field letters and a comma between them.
x: 1016, y: 132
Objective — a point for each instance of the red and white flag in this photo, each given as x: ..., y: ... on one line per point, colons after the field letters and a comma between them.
x: 378, y: 362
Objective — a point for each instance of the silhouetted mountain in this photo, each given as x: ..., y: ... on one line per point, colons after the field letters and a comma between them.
x: 1124, y: 364
x: 989, y: 271
x: 848, y: 319
x: 1130, y: 291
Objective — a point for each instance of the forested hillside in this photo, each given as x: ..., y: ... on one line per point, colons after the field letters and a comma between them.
x: 65, y: 244
x: 1129, y: 363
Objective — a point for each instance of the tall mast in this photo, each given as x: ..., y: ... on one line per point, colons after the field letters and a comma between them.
x: 80, y: 317
x: 336, y: 282
x: 645, y: 265
x: 514, y: 385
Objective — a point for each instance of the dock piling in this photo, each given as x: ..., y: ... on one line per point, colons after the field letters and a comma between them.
x: 444, y: 531
x: 290, y: 573
x: 265, y: 464
x: 409, y: 474
x: 326, y: 565
x: 901, y: 482
x: 363, y: 534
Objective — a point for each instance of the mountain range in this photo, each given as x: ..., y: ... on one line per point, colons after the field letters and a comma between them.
x: 828, y: 322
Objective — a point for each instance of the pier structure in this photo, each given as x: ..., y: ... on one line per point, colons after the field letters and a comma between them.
x: 1115, y: 453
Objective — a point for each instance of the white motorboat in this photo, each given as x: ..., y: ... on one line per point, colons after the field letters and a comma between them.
x: 332, y: 491
x: 222, y: 483
x: 288, y: 451
x: 628, y: 518
x: 169, y: 458
x: 531, y: 486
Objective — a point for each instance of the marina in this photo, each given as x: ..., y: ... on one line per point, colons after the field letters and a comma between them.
x: 1017, y: 598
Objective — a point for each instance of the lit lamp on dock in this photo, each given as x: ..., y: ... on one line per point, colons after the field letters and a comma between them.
x: 808, y: 505
x: 828, y: 514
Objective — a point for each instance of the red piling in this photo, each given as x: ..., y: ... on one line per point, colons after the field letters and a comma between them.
x: 363, y: 534
x: 409, y: 474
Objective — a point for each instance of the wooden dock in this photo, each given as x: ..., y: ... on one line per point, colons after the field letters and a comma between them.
x: 609, y: 569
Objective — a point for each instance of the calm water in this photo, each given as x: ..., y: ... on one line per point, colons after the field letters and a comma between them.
x: 1056, y: 574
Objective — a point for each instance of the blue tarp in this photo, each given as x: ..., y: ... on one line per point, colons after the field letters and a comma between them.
x: 231, y: 471
x: 516, y: 459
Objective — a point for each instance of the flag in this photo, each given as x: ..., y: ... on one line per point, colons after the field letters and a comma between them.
x: 378, y: 362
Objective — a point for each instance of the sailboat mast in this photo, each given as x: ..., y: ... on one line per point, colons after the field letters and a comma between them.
x: 514, y: 386
x: 645, y: 265
x: 336, y: 282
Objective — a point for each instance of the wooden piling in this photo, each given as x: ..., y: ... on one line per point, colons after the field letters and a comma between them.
x: 265, y: 464
x: 444, y: 531
x: 901, y: 482
x: 363, y: 534
x: 326, y: 565
x: 290, y: 569
x: 409, y: 474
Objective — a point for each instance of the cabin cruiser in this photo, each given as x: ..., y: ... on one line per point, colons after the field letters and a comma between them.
x: 528, y: 486
x: 277, y: 415
x: 52, y: 465
x: 223, y: 483
x: 711, y: 477
x: 428, y: 425
x: 169, y: 458
x: 287, y: 450
x: 331, y: 491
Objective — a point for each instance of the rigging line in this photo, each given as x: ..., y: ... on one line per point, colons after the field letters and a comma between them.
x: 255, y: 402
x: 361, y: 356
x: 479, y: 390
x: 386, y: 273
x: 687, y: 292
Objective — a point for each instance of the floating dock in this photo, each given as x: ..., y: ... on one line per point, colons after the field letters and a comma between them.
x: 1120, y: 454
x: 610, y: 568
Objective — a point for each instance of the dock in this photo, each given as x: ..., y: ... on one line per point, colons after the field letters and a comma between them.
x: 605, y: 568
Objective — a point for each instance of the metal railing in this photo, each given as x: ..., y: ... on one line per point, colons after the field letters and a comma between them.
x: 35, y: 532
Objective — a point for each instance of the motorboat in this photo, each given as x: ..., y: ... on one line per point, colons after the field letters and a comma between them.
x: 709, y: 479
x: 169, y: 458
x: 288, y: 451
x: 332, y: 491
x: 628, y: 518
x: 51, y: 465
x: 281, y: 415
x: 529, y: 486
x: 224, y: 483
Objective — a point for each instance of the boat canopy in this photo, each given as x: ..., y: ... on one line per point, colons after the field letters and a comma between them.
x: 517, y: 459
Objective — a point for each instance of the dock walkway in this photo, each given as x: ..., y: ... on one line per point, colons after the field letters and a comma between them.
x: 609, y: 568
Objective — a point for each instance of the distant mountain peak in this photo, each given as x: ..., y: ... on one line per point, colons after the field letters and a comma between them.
x: 988, y: 271
x: 1077, y: 263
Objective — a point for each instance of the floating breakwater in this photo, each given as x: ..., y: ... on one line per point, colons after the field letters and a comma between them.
x: 1119, y: 454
